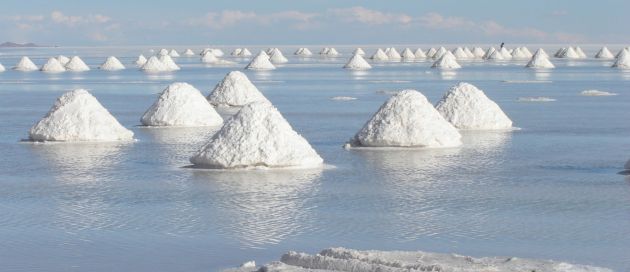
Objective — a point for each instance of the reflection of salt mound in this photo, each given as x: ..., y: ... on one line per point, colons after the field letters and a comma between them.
x: 540, y: 60
x: 141, y: 60
x: 596, y: 93
x: 536, y: 99
x: 604, y: 53
x: 260, y: 62
x: 76, y: 64
x: 112, y: 64
x: 169, y: 63
x: 467, y: 107
x: 173, y: 53
x: 392, y: 54
x: 53, y: 66
x: 235, y: 90
x: 277, y: 57
x: 181, y: 104
x: 189, y: 53
x: 407, y: 119
x: 78, y: 116
x: 447, y: 62
x: 25, y: 64
x: 359, y: 51
x: 379, y: 55
x: 303, y: 51
x: 407, y: 55
x: 623, y: 60
x: 153, y: 64
x: 419, y: 54
x: 257, y: 136
x: 357, y: 63
x: 63, y: 60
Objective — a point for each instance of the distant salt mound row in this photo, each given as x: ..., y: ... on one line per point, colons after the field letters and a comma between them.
x: 342, y: 259
x: 78, y: 116
x: 154, y: 65
x: 235, y: 90
x: 496, y: 55
x: 257, y: 137
x: 277, y: 56
x: 303, y: 51
x: 379, y: 55
x: 604, y: 53
x: 76, y: 64
x: 343, y: 98
x: 540, y: 61
x: 141, y: 60
x: 2, y: 69
x: 25, y: 65
x: 596, y: 93
x: 446, y: 62
x: 189, y: 53
x: 357, y: 62
x: 112, y: 64
x: 419, y: 54
x: 520, y: 54
x: 181, y: 104
x: 260, y: 62
x: 169, y: 63
x: 536, y: 99
x: 467, y: 107
x: 406, y: 119
x: 52, y: 66
x: 623, y: 60
x: 63, y: 60
x: 358, y: 51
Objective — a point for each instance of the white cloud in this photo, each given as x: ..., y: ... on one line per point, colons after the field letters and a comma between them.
x: 229, y: 18
x: 369, y: 16
x: 70, y: 20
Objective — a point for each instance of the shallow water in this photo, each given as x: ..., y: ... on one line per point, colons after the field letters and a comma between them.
x: 550, y: 190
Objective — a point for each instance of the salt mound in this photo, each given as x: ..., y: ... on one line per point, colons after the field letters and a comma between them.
x: 189, y: 52
x: 63, y: 60
x: 536, y: 99
x: 569, y: 53
x: 419, y: 54
x: 596, y: 93
x: 217, y: 52
x: 408, y: 55
x: 112, y: 64
x: 379, y: 56
x: 580, y: 53
x: 358, y: 51
x: 25, y: 64
x: 407, y: 119
x: 154, y: 65
x: 357, y: 63
x: 173, y: 53
x: 540, y: 60
x: 460, y: 54
x: 440, y: 52
x: 2, y: 69
x: 257, y: 136
x: 245, y: 53
x: 169, y: 63
x: 496, y: 55
x: 392, y: 54
x: 431, y: 52
x: 542, y: 52
x: 621, y: 51
x: 235, y: 90
x: 332, y: 52
x: 507, y: 55
x: 141, y: 60
x: 467, y: 107
x: 604, y: 53
x: 469, y: 53
x: 489, y: 52
x: 163, y: 52
x: 324, y: 51
x: 78, y: 116
x: 277, y: 57
x: 260, y: 62
x: 53, y: 66
x: 447, y: 61
x: 210, y: 58
x: 526, y: 51
x: 181, y: 104
x: 478, y: 52
x: 519, y: 54
x: 236, y: 52
x: 76, y: 64
x: 623, y: 60
x: 303, y: 51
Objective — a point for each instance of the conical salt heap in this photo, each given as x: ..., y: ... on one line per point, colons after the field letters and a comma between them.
x: 181, y: 104
x: 489, y: 52
x: 245, y: 53
x: 332, y: 52
x: 379, y: 55
x: 526, y: 51
x: 621, y: 51
x: 257, y: 136
x: 478, y: 52
x: 407, y: 119
x: 358, y: 51
x: 169, y: 63
x: 25, y: 65
x: 392, y: 54
x: 604, y: 53
x: 460, y: 54
x: 78, y: 116
x: 236, y: 52
x: 141, y: 60
x: 440, y: 52
x: 407, y: 55
x: 519, y: 54
x: 470, y: 54
x: 189, y: 53
x: 153, y: 64
x: 357, y: 62
x: 277, y: 57
x: 112, y: 64
x: 431, y: 52
x: 507, y: 55
x: 467, y: 107
x: 496, y: 55
x: 569, y: 53
x: 540, y: 60
x: 303, y: 51
x: 235, y: 90
x: 623, y: 60
x: 63, y: 60
x: 52, y: 66
x: 173, y: 53
x: 580, y: 53
x: 447, y: 62
x: 76, y: 64
x: 419, y: 54
x: 260, y: 62
x: 208, y: 57
x: 163, y: 52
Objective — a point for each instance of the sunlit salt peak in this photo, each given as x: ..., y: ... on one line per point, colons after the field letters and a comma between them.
x: 379, y: 55
x: 169, y: 63
x: 181, y: 104
x: 460, y: 54
x: 392, y: 54
x: 407, y: 119
x: 141, y: 60
x: 446, y: 62
x: 431, y: 52
x: 260, y: 62
x: 245, y: 53
x: 236, y: 52
x: 568, y: 53
x: 604, y: 53
x: 76, y: 64
x: 303, y: 51
x: 63, y: 59
x: 519, y: 54
x: 173, y: 53
x: 540, y: 60
x: 407, y: 55
x: 329, y: 51
x: 163, y: 52
x: 112, y: 64
x: 580, y: 52
x: 623, y: 60
x: 153, y: 64
x: 507, y: 55
x: 357, y: 62
x: 189, y: 52
x: 526, y: 51
x: 276, y: 56
x: 358, y: 51
x: 235, y: 90
x: 419, y: 54
x: 78, y: 116
x: 25, y: 64
x: 467, y: 107
x: 469, y: 53
x: 257, y: 136
x: 478, y: 52
x: 52, y: 66
x: 440, y: 52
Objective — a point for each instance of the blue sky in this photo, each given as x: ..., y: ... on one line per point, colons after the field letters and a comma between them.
x: 236, y: 22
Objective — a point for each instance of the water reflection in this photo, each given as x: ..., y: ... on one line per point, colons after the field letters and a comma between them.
x: 448, y: 74
x: 160, y: 76
x: 177, y: 144
x: 542, y: 74
x: 359, y: 74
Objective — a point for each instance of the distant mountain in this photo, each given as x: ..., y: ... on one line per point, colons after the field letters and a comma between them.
x: 12, y: 44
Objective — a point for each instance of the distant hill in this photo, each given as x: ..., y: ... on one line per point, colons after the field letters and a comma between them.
x: 12, y: 44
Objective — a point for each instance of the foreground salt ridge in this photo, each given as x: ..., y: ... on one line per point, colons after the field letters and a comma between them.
x: 406, y: 119
x: 257, y: 136
x: 349, y: 260
x: 467, y: 107
x: 181, y: 104
x: 235, y: 90
x: 78, y: 116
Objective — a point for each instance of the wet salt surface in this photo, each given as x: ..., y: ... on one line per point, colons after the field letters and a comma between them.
x: 550, y: 190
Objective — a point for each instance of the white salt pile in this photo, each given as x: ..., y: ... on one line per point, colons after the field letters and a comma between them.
x: 63, y: 60
x: 496, y: 55
x: 2, y: 69
x: 446, y: 62
x: 277, y: 57
x: 478, y: 52
x: 235, y: 90
x: 460, y: 54
x: 112, y: 64
x: 406, y: 119
x: 141, y: 60
x: 392, y: 54
x: 431, y: 52
x: 342, y: 259
x: 358, y: 51
x: 467, y: 107
x: 343, y: 98
x: 596, y: 93
x: 542, y: 52
x: 163, y: 52
x: 440, y: 52
x: 569, y: 53
x: 260, y: 62
x: 257, y: 136
x: 25, y: 64
x: 169, y: 63
x: 78, y: 116
x: 236, y: 52
x: 580, y: 53
x: 173, y: 53
x: 181, y: 104
x: 536, y: 99
x: 357, y: 62
x: 489, y: 52
x: 540, y: 61
x: 519, y: 54
x: 622, y: 50
x: 189, y: 53
x: 379, y: 55
x: 217, y: 52
x: 76, y: 64
x: 210, y: 58
x: 526, y: 51
x: 507, y: 55
x: 407, y: 55
x: 245, y: 53
x: 419, y: 54
x: 153, y: 64
x: 604, y: 53
x: 52, y: 66
x: 324, y: 51
x: 623, y: 60
x: 303, y: 51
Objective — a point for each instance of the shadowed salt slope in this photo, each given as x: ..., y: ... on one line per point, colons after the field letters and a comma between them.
x: 235, y: 90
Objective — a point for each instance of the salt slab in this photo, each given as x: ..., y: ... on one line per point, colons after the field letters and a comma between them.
x: 76, y: 64
x: 260, y: 62
x: 467, y: 107
x: 181, y: 104
x: 112, y: 64
x: 153, y: 64
x: 357, y: 62
x: 52, y: 66
x: 407, y: 119
x: 379, y: 55
x: 25, y: 65
x: 277, y: 57
x: 78, y: 116
x: 235, y: 90
x: 447, y: 62
x: 257, y: 136
x: 596, y: 93
x: 540, y: 61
